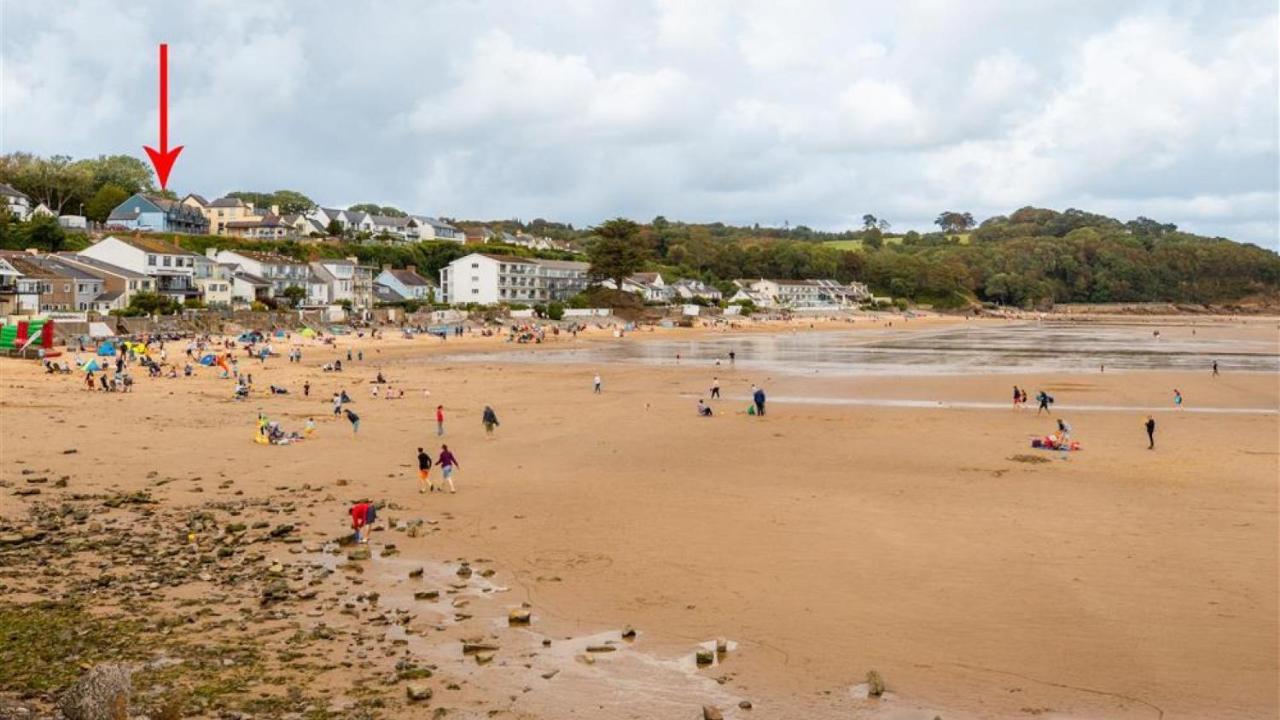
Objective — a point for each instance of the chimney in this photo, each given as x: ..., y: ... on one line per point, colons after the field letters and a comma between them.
x: 32, y: 251
x: 275, y: 210
x: 211, y: 253
x: 386, y: 266
x: 249, y: 206
x: 353, y: 259
x: 411, y: 268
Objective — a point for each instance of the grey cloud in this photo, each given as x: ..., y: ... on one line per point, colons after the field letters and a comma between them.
x: 746, y: 111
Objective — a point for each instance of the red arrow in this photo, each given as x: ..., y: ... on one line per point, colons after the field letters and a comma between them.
x: 163, y: 158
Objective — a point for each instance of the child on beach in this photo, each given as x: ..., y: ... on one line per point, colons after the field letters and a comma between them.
x: 439, y: 421
x: 447, y: 463
x: 1177, y: 398
x: 715, y: 388
x: 363, y: 515
x: 355, y: 422
x: 490, y: 420
x: 424, y: 471
x: 597, y: 386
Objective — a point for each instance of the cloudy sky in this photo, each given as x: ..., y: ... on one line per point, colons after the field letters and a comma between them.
x: 736, y: 110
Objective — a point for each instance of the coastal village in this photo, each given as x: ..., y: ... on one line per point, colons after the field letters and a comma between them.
x: 133, y: 252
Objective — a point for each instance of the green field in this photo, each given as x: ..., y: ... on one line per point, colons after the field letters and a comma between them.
x: 888, y: 240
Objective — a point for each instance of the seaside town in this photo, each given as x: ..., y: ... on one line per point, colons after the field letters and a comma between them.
x: 657, y: 361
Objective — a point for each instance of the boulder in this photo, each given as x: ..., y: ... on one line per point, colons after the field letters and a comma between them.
x: 417, y: 692
x: 711, y: 712
x: 519, y: 616
x: 704, y: 657
x: 100, y: 694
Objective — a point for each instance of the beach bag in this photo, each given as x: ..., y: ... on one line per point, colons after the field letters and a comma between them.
x: 751, y: 409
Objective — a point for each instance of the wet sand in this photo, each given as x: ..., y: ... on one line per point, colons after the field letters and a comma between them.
x: 825, y: 540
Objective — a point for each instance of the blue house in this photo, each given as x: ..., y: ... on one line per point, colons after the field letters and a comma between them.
x: 158, y: 214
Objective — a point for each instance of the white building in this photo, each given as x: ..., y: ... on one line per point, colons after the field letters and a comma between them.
x: 648, y: 285
x: 173, y: 268
x: 18, y: 203
x: 688, y: 289
x: 489, y: 279
x: 429, y: 228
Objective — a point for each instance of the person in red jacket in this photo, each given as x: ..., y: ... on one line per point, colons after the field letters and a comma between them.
x: 362, y: 517
x: 439, y: 421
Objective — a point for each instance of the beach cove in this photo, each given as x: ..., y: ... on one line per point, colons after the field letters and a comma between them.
x: 886, y: 514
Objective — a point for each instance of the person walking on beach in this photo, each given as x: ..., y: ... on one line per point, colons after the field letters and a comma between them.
x: 1215, y: 368
x: 715, y: 388
x: 1177, y: 398
x: 355, y: 422
x: 1044, y: 398
x: 1023, y: 399
x: 597, y: 386
x: 1151, y: 432
x: 448, y: 463
x: 733, y: 357
x: 424, y: 470
x: 337, y: 404
x: 1017, y: 397
x: 306, y: 388
x: 758, y: 397
x: 439, y: 421
x: 490, y: 420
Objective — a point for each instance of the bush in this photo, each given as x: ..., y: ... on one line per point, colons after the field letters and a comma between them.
x: 555, y: 311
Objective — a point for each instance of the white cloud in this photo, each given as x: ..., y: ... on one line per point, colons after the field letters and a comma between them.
x: 742, y: 111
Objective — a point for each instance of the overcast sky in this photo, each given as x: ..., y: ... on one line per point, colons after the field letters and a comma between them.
x: 742, y: 111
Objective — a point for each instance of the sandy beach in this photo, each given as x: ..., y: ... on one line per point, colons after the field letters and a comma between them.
x: 895, y: 522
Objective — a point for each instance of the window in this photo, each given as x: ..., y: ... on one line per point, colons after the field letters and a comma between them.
x: 475, y: 291
x: 151, y: 260
x: 167, y: 261
x: 66, y: 287
x: 475, y: 266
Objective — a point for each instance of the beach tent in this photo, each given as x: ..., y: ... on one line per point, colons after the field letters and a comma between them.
x: 249, y: 337
x: 280, y: 333
x: 107, y: 348
x: 91, y: 366
x: 307, y: 332
x: 208, y: 360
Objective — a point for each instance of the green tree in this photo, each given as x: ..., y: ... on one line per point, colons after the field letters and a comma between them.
x: 292, y: 202
x: 334, y: 228
x: 55, y: 181
x: 873, y: 239
x: 123, y: 171
x: 99, y: 207
x: 869, y: 221
x: 44, y: 232
x: 555, y: 311
x: 616, y: 253
x: 295, y: 295
x: 951, y: 221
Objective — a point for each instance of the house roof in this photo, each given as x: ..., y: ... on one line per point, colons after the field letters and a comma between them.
x: 63, y: 268
x: 123, y: 215
x: 389, y: 221
x: 382, y: 293
x: 509, y: 258
x: 251, y: 278
x: 101, y: 266
x: 562, y: 264
x: 266, y: 257
x: 151, y: 245
x: 108, y: 296
x: 10, y: 191
x: 645, y: 277
x: 198, y: 198
x: 411, y: 278
x: 223, y: 202
x: 24, y: 264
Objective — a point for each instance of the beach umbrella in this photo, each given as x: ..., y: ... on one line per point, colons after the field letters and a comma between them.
x: 308, y: 332
x: 208, y: 360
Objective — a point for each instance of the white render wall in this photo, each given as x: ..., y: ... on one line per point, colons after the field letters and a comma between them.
x: 470, y: 279
x: 121, y: 254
